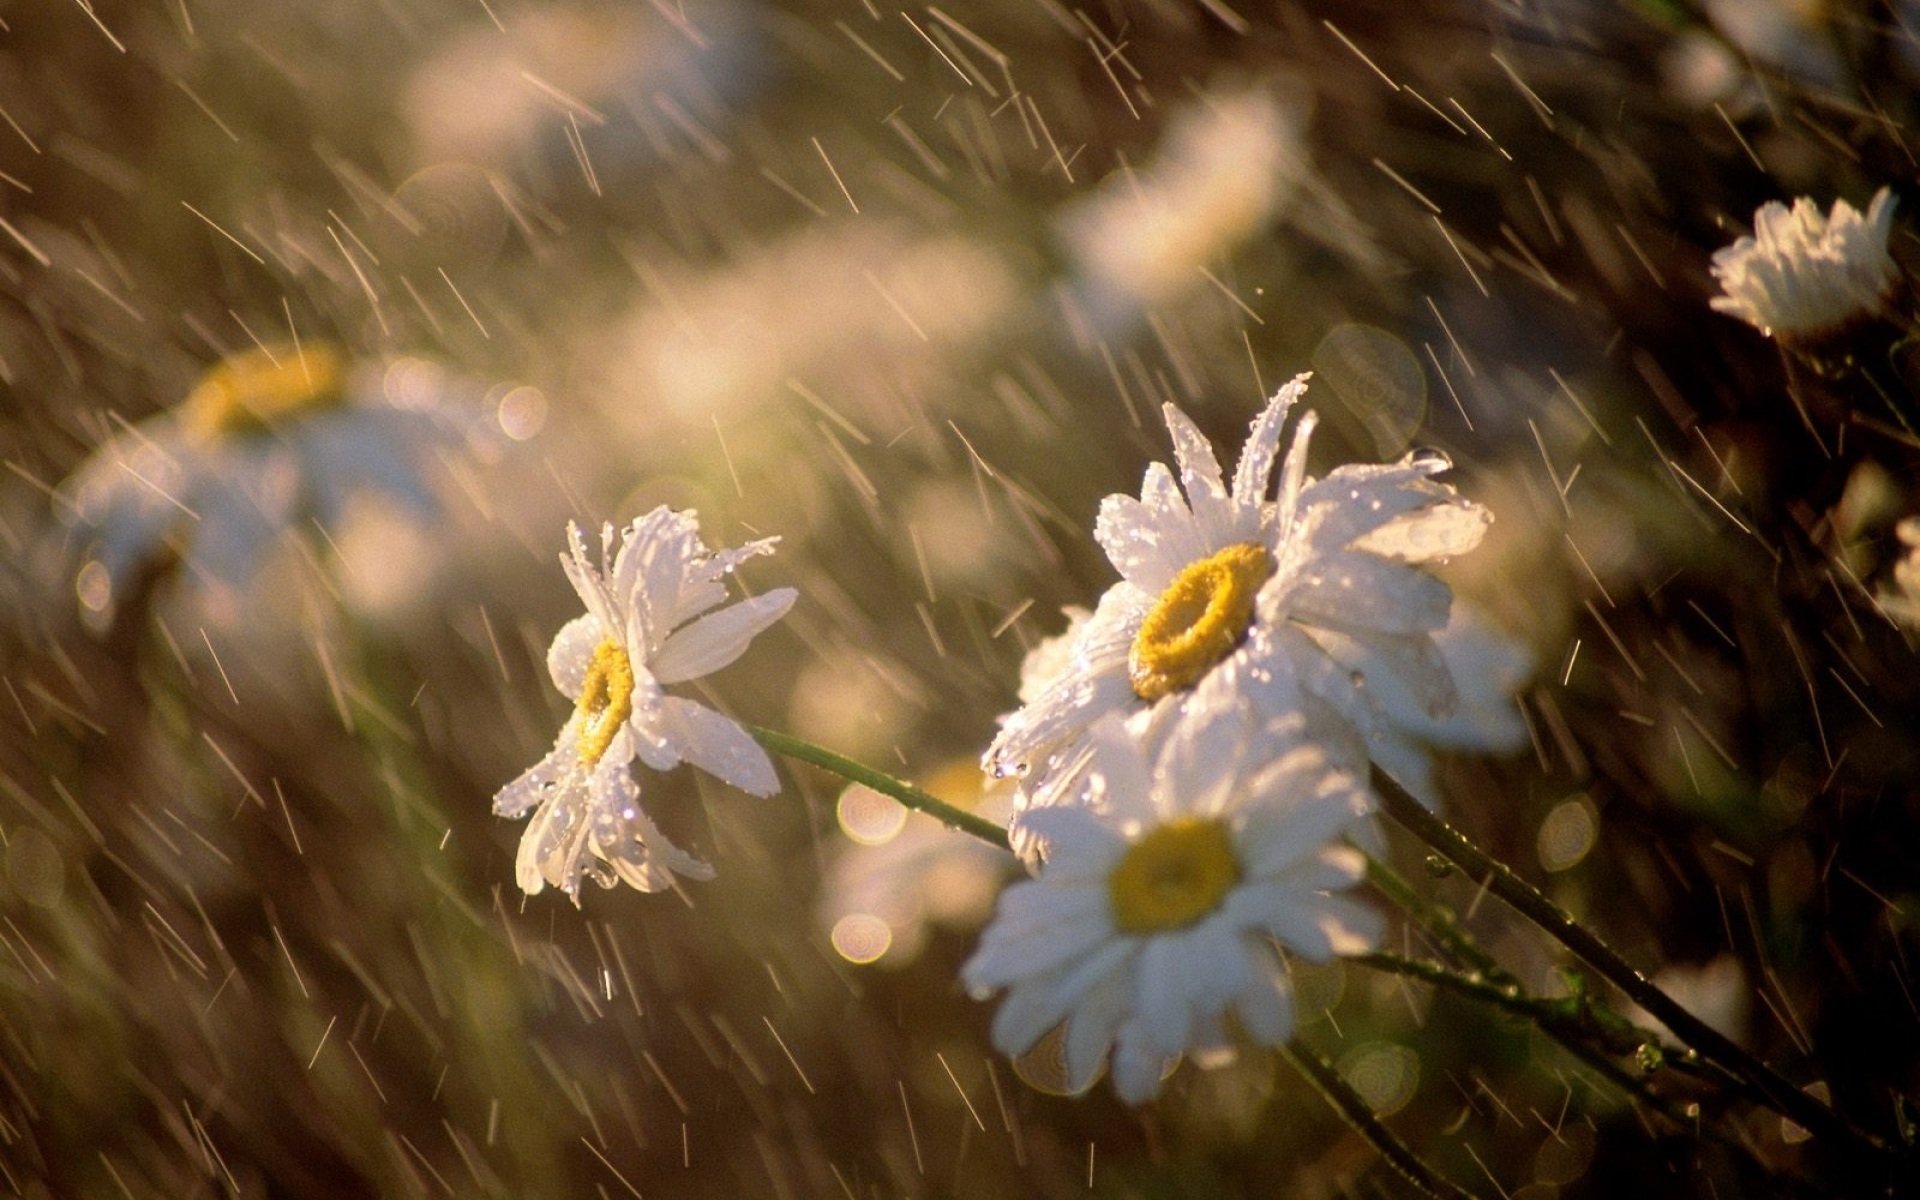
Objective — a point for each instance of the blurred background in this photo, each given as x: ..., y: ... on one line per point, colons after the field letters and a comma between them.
x: 906, y: 288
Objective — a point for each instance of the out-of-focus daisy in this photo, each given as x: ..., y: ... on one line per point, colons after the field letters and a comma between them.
x: 898, y: 879
x: 652, y: 620
x: 1317, y: 603
x: 1151, y: 928
x: 1488, y: 667
x: 270, y: 441
x: 1226, y: 167
x: 1803, y: 276
x: 1901, y: 601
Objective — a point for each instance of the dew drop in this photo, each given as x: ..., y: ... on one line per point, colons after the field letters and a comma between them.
x: 1430, y: 458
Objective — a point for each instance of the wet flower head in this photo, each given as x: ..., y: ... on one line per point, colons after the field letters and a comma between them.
x: 1151, y: 929
x: 1231, y: 595
x: 1803, y: 276
x: 654, y: 617
x: 268, y: 444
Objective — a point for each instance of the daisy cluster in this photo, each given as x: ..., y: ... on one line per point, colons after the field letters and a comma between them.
x: 1193, y: 755
x: 1187, y: 767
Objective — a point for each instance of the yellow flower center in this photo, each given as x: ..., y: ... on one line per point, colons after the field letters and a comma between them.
x: 1198, y: 620
x: 606, y: 700
x: 248, y: 392
x: 1173, y: 876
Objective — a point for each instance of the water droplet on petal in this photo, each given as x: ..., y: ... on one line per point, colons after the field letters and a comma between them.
x: 1430, y: 458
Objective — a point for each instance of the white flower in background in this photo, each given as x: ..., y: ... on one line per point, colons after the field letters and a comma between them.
x: 651, y: 620
x: 900, y: 877
x: 1157, y: 910
x: 269, y: 441
x: 1488, y: 667
x: 1901, y: 601
x: 1226, y: 166
x: 1316, y: 603
x: 1802, y: 275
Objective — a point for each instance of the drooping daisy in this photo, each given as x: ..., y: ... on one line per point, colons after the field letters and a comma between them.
x: 1803, y: 276
x: 652, y: 620
x: 269, y: 441
x: 1315, y: 602
x: 1151, y: 927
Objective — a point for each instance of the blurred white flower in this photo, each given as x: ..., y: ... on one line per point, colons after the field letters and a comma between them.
x: 270, y: 441
x: 1315, y: 604
x: 1802, y: 275
x: 1488, y: 667
x: 858, y: 304
x: 651, y: 620
x: 1162, y: 897
x: 899, y: 878
x: 1902, y: 600
x: 1226, y: 167
x: 561, y: 81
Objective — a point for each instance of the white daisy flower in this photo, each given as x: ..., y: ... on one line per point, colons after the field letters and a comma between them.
x: 651, y: 620
x: 1802, y: 276
x: 1151, y: 928
x: 270, y: 440
x: 1314, y: 603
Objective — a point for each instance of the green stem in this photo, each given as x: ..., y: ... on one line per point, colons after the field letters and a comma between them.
x: 1567, y: 1019
x: 1436, y: 919
x: 1502, y: 881
x: 887, y: 785
x: 1336, y: 1091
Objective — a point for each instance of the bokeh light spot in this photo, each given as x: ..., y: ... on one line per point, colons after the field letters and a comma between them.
x: 95, y: 587
x: 861, y: 938
x: 1378, y: 381
x: 523, y: 413
x: 34, y: 867
x: 1386, y: 1073
x: 1568, y: 834
x: 868, y: 817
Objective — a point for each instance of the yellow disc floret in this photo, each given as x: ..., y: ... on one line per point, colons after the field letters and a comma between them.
x: 249, y: 391
x: 1173, y: 876
x: 1198, y: 620
x: 606, y: 700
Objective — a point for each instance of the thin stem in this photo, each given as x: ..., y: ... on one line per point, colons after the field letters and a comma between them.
x: 1567, y: 1019
x: 1351, y: 1105
x: 1436, y: 919
x: 1500, y: 879
x: 907, y: 794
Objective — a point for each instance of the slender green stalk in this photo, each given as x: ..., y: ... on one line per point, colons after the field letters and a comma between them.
x: 1438, y: 920
x: 1336, y: 1091
x: 1776, y: 1092
x: 885, y: 784
x: 1571, y: 1019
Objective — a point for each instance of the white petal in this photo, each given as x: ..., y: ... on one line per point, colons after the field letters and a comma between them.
x: 1254, y: 473
x: 1319, y: 927
x: 1411, y: 663
x: 627, y: 839
x: 718, y: 638
x: 1363, y: 591
x: 586, y: 579
x: 1266, y: 1003
x: 718, y: 746
x: 541, y: 779
x: 1199, y: 476
x: 1091, y: 1030
x: 572, y: 651
x: 1137, y: 1065
x: 1431, y: 535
